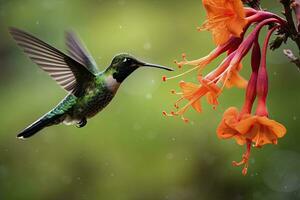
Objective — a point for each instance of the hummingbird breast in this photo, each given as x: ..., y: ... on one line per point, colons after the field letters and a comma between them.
x: 93, y: 102
x: 96, y: 97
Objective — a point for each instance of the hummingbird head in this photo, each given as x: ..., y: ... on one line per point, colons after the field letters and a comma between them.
x: 123, y: 65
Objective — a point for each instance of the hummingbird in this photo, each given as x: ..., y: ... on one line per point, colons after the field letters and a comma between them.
x: 89, y: 90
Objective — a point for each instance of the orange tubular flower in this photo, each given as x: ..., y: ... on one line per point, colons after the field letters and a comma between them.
x: 228, y: 21
x: 261, y: 130
x: 227, y: 127
x: 244, y: 127
x: 230, y: 45
x: 235, y: 79
x: 247, y: 129
x: 189, y: 90
x: 193, y: 93
x: 224, y: 18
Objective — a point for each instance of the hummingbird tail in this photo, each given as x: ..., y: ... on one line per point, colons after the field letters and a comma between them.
x: 37, y: 126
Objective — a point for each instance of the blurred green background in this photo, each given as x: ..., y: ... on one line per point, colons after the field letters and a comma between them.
x: 130, y: 151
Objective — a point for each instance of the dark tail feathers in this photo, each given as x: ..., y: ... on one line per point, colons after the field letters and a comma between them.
x: 36, y: 127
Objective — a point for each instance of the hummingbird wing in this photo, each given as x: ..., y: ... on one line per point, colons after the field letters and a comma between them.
x: 78, y: 51
x: 67, y: 72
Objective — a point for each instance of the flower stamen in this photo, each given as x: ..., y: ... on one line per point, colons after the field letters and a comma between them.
x: 177, y: 93
x: 179, y: 75
x: 245, y: 159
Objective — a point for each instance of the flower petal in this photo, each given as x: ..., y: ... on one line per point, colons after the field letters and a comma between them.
x: 197, y: 106
x: 224, y: 18
x: 246, y: 124
x: 188, y: 89
x: 235, y: 79
x: 226, y: 128
x: 278, y: 129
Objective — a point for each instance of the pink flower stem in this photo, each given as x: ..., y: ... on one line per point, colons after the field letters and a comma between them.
x: 262, y: 78
x: 251, y: 87
x: 236, y: 56
x: 263, y: 15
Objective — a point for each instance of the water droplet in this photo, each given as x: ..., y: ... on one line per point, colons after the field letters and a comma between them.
x: 149, y: 96
x: 147, y: 46
x: 294, y: 118
x: 170, y: 156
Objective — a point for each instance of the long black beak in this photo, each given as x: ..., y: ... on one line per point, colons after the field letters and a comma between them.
x: 156, y: 66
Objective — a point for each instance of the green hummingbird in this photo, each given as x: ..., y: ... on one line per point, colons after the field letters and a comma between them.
x: 89, y: 90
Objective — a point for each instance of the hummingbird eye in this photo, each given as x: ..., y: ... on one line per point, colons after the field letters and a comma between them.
x: 127, y: 60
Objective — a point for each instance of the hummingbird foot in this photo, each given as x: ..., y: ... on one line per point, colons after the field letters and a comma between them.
x: 81, y: 123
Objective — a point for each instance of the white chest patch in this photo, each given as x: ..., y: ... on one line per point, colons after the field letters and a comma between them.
x: 112, y: 84
x: 70, y: 121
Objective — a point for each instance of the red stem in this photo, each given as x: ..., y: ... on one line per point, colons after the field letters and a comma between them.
x: 262, y: 78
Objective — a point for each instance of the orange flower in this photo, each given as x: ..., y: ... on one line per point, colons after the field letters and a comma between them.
x: 247, y: 129
x: 227, y: 21
x: 234, y: 79
x: 213, y: 91
x: 258, y: 129
x: 224, y: 18
x: 230, y: 46
x: 261, y: 130
x: 193, y: 93
x: 227, y: 127
x: 202, y: 62
x: 189, y: 90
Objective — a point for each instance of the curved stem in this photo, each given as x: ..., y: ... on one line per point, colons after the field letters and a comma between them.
x: 262, y: 78
x: 238, y: 54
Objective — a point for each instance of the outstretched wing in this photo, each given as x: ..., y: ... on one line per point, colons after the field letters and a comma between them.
x: 77, y: 50
x: 66, y: 71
